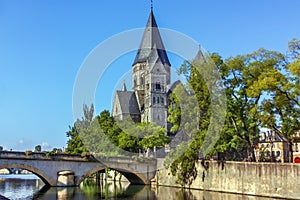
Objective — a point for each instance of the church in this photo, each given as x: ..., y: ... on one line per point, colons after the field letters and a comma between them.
x: 148, y: 100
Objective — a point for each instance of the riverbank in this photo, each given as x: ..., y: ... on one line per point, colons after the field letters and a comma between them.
x: 280, y: 180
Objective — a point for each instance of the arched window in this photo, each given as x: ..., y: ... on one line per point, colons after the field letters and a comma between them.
x: 153, y: 100
x: 134, y: 82
x: 142, y: 79
x: 157, y: 86
x: 157, y: 99
x: 162, y: 100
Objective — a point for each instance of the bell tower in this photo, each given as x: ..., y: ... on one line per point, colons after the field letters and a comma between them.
x: 151, y: 75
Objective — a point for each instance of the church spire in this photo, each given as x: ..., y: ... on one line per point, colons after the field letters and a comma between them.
x: 151, y: 38
x: 124, y: 88
x: 199, y: 55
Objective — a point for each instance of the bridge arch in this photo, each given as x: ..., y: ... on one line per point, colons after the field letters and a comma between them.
x: 131, y: 175
x: 46, y: 179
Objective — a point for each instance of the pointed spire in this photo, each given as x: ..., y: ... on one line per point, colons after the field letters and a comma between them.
x: 151, y: 5
x: 151, y: 37
x: 124, y: 88
x: 199, y: 55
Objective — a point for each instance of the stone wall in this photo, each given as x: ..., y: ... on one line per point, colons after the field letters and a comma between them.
x: 262, y: 179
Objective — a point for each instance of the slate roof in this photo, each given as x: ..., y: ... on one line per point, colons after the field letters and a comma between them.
x: 273, y: 136
x: 128, y: 102
x: 151, y: 40
x: 172, y: 86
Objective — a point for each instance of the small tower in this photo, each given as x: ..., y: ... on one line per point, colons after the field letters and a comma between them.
x: 151, y: 75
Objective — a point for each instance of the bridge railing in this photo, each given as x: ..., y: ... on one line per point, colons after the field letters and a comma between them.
x: 124, y: 159
x: 76, y: 157
x: 39, y: 156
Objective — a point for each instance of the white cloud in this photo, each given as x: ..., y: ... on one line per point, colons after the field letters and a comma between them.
x: 46, y: 146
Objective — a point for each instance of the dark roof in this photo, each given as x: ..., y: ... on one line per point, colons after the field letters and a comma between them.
x: 199, y: 55
x: 151, y: 41
x: 128, y: 102
x: 172, y: 86
x: 272, y: 136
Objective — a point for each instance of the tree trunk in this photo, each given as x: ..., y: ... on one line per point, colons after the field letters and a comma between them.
x: 250, y: 154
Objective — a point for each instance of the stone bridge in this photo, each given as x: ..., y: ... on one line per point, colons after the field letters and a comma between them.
x: 51, y: 168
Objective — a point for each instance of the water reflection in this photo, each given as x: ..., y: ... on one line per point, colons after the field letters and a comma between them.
x: 16, y: 187
x: 19, y: 186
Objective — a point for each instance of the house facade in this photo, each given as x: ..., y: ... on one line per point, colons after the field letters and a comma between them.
x: 272, y: 147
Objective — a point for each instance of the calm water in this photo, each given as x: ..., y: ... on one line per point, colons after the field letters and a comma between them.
x: 30, y: 187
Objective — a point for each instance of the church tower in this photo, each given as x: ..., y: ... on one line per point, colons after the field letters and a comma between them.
x: 151, y: 75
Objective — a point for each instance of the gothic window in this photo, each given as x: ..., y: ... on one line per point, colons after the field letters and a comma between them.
x: 142, y: 79
x: 158, y: 118
x: 153, y: 100
x: 134, y: 82
x: 162, y: 100
x: 157, y: 99
x: 157, y: 86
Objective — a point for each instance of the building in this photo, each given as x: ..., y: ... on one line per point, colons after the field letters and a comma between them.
x: 272, y: 147
x: 150, y: 79
x: 296, y: 147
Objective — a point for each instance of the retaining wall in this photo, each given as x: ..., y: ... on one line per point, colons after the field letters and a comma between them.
x: 262, y: 179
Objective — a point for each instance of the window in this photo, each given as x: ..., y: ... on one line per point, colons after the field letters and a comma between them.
x: 157, y: 86
x: 142, y: 79
x: 297, y: 148
x: 134, y: 82
x: 162, y: 100
x: 277, y: 153
x: 157, y: 99
x: 153, y: 100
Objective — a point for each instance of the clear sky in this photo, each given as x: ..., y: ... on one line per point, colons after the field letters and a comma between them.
x: 43, y: 44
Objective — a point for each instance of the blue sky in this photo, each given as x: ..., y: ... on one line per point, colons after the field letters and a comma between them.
x: 44, y: 43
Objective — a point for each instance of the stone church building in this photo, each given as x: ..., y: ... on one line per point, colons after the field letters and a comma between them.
x: 148, y: 100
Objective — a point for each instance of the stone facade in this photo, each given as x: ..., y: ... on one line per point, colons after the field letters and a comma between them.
x: 150, y: 78
x: 279, y: 180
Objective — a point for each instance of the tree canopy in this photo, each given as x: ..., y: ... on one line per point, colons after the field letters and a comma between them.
x: 262, y: 91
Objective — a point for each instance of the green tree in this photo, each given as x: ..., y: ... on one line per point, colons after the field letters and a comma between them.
x: 190, y: 112
x: 137, y: 137
x: 75, y: 144
x: 281, y: 111
x: 38, y: 148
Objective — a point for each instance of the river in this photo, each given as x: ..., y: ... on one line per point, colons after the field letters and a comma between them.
x: 31, y: 187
